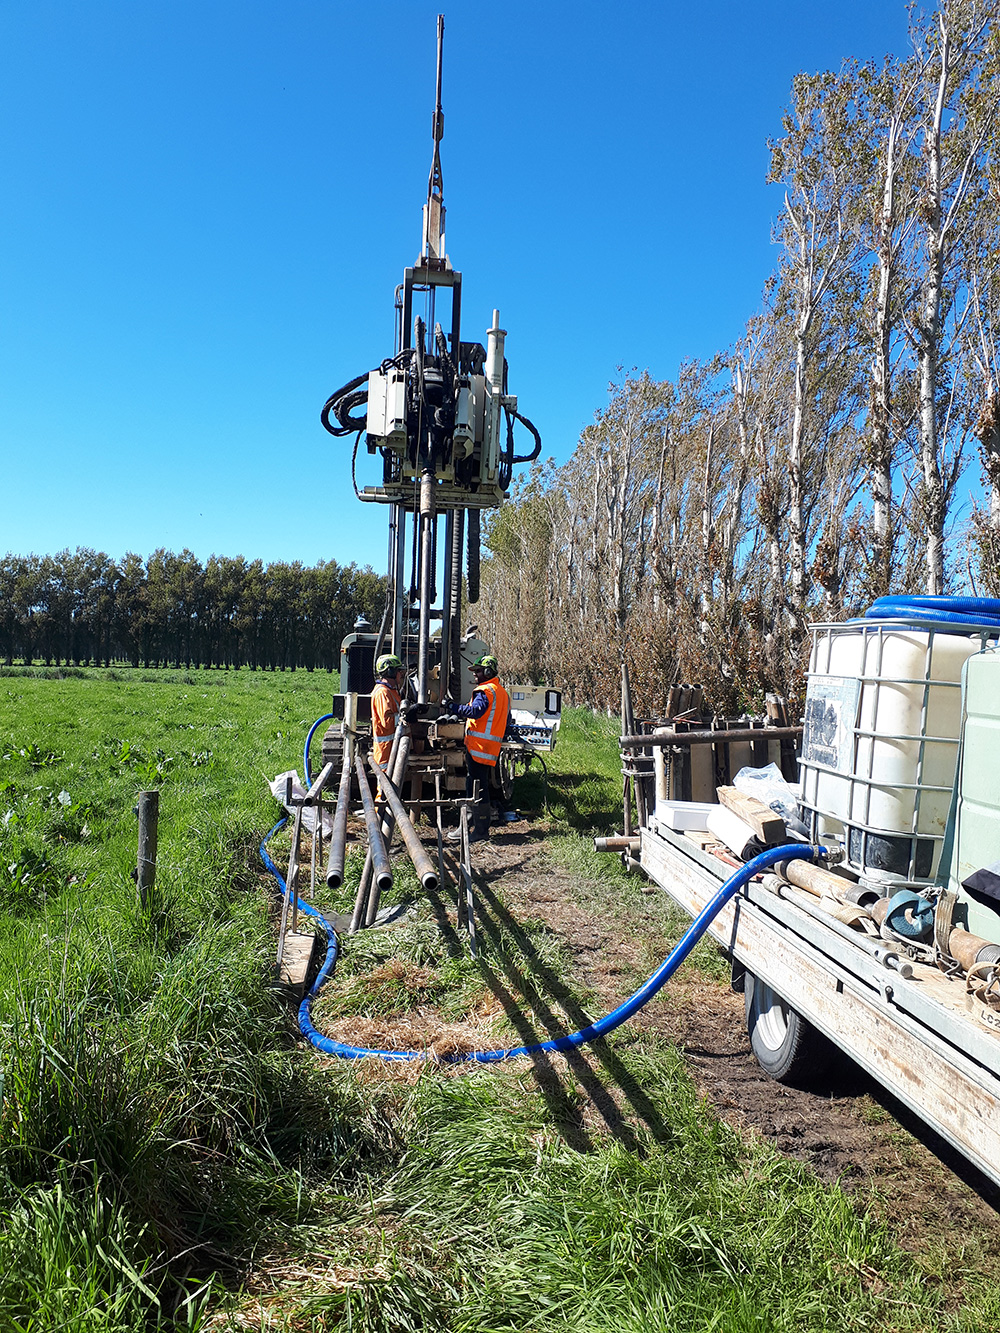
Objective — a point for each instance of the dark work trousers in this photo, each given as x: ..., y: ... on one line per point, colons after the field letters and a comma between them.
x: 480, y: 812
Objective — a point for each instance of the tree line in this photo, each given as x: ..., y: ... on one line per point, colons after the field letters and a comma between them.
x: 846, y: 447
x: 84, y: 608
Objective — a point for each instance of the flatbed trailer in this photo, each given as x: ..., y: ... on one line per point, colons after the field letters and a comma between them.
x: 915, y: 1034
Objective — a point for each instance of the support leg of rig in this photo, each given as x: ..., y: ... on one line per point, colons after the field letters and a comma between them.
x: 465, y: 866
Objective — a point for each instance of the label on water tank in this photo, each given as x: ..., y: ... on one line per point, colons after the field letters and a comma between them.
x: 831, y: 709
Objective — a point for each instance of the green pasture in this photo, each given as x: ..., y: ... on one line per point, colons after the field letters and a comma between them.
x: 172, y: 1156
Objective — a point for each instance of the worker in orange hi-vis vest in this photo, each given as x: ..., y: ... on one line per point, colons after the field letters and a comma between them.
x: 386, y: 700
x: 486, y: 723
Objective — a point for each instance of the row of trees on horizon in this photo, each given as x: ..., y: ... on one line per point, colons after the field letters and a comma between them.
x: 848, y: 445
x: 82, y: 607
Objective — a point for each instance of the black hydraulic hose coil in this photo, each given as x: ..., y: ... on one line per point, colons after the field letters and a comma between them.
x: 339, y: 404
x: 472, y: 574
x: 529, y: 458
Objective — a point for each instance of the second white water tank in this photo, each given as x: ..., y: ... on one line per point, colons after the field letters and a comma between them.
x: 880, y: 747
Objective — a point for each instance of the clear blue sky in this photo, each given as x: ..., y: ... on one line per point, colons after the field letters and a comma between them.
x: 207, y: 204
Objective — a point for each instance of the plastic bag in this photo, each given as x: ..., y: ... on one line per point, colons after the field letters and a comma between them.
x: 768, y: 785
x: 279, y: 788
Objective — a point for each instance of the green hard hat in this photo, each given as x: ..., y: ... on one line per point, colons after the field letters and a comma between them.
x: 386, y: 663
x: 488, y: 663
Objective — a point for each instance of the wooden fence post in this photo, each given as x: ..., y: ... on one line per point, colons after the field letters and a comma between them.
x: 149, y: 814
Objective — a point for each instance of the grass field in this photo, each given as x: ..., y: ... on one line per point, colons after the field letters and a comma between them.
x: 172, y: 1157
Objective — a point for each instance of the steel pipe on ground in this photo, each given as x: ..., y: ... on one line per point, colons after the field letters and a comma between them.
x: 709, y: 737
x: 338, y: 838
x: 396, y: 776
x: 313, y: 793
x: 416, y: 851
x: 381, y: 867
x: 366, y: 900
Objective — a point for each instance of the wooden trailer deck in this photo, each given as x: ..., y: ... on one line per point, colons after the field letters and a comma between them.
x: 915, y: 1035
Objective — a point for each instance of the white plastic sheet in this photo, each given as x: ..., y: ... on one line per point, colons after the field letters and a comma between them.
x: 279, y: 790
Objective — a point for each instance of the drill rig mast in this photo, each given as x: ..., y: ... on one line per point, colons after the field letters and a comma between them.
x: 438, y: 414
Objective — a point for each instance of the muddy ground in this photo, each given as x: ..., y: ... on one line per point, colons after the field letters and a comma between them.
x: 852, y: 1131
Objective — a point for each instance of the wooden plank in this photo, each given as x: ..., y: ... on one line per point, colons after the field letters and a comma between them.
x: 701, y: 838
x: 767, y: 825
x: 296, y: 958
x: 959, y: 1098
x: 447, y: 731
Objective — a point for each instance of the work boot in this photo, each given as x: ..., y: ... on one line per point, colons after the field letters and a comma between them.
x: 475, y: 835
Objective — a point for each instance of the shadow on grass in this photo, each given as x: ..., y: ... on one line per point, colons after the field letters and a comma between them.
x: 525, y: 983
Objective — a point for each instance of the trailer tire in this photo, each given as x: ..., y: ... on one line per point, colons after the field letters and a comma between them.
x: 786, y: 1046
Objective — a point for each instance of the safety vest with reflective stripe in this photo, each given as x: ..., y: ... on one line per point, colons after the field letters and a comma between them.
x: 484, y: 734
x: 385, y: 706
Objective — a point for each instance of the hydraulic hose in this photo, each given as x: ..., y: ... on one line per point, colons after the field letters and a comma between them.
x: 947, y: 610
x: 305, y: 752
x: 681, y: 950
x: 472, y: 569
x: 528, y: 458
x: 339, y: 404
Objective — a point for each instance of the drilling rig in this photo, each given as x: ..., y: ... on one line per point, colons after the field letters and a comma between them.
x: 438, y: 414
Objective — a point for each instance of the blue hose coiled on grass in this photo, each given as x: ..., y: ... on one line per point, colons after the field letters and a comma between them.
x: 795, y: 852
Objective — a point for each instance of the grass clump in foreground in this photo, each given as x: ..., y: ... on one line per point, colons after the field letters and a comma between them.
x: 156, y: 1120
x: 171, y: 1158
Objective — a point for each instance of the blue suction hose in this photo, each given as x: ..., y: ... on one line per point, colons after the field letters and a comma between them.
x: 947, y: 610
x: 795, y: 852
x: 305, y: 752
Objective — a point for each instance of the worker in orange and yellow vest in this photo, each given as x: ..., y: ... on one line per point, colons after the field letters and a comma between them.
x: 486, y: 723
x: 386, y: 701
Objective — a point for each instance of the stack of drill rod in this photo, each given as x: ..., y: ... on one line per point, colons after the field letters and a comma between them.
x: 381, y: 818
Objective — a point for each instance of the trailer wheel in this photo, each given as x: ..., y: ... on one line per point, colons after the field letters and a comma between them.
x: 787, y: 1046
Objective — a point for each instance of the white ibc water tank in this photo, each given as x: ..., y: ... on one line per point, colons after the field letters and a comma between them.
x: 880, y: 747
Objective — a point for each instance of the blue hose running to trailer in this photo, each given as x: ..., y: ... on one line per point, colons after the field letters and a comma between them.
x: 795, y: 852
x: 949, y: 610
x: 305, y: 752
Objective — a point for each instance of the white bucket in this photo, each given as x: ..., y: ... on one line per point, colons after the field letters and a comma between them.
x: 880, y: 748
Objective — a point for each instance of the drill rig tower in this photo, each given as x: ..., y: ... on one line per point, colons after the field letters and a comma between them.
x: 438, y: 414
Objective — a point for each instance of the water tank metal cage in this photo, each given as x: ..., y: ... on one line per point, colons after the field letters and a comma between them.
x: 883, y: 723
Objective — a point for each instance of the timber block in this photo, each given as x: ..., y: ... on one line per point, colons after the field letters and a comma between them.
x: 449, y: 731
x: 768, y: 826
x: 702, y: 839
x: 296, y: 957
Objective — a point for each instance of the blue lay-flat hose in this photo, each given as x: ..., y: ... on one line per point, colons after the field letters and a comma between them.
x: 795, y: 852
